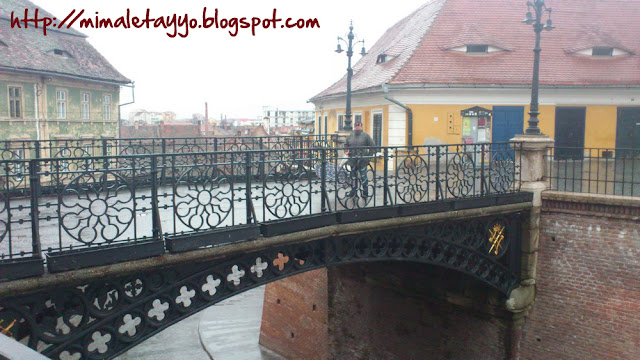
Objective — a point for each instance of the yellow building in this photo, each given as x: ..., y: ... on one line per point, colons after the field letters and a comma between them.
x: 459, y: 71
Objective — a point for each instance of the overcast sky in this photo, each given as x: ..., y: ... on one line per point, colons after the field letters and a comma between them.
x: 235, y: 75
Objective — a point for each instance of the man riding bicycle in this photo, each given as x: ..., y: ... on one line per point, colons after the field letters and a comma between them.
x: 359, y: 157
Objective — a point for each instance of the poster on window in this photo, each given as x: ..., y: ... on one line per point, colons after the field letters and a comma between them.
x: 466, y: 126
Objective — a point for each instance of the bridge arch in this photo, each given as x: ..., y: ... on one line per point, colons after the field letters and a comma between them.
x: 106, y: 317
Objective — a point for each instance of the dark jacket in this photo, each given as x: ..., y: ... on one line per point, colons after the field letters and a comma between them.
x: 360, y: 140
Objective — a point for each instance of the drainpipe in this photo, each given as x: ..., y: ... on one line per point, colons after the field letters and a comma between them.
x: 385, y: 88
x: 133, y: 99
x: 35, y: 92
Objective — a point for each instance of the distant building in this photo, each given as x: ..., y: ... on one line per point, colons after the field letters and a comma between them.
x: 277, y: 118
x: 151, y: 117
x: 54, y: 86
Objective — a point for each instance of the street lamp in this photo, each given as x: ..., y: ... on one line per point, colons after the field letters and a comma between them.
x: 350, y: 45
x: 539, y: 7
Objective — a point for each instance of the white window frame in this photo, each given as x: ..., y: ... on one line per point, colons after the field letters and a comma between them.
x: 353, y: 117
x: 106, y: 107
x: 85, y: 106
x: 20, y: 100
x: 339, y: 122
x: 61, y: 103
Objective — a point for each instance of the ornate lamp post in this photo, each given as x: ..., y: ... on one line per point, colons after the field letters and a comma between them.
x: 350, y: 45
x: 539, y: 7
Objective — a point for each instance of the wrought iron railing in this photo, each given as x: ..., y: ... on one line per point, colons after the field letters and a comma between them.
x: 66, y: 148
x: 594, y: 170
x: 63, y: 206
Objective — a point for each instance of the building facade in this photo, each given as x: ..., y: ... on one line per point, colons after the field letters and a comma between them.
x: 55, y: 86
x: 277, y: 118
x: 458, y: 72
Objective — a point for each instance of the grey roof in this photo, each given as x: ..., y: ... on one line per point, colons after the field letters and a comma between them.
x: 30, y: 50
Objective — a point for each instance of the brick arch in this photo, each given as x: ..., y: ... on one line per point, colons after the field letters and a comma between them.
x: 104, y: 318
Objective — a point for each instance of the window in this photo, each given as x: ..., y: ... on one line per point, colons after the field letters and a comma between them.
x: 477, y: 49
x: 340, y: 121
x: 377, y: 129
x: 106, y: 108
x: 381, y: 58
x: 61, y: 53
x: 61, y: 99
x: 84, y: 110
x: 602, y: 51
x: 357, y: 118
x: 15, y: 102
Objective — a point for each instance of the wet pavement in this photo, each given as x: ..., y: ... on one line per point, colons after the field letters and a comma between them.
x: 229, y: 330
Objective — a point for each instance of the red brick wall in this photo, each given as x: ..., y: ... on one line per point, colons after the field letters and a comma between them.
x: 413, y: 311
x: 588, y: 286
x: 294, y: 318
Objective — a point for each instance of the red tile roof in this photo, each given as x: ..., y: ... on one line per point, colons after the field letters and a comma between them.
x: 580, y: 25
x: 399, y: 43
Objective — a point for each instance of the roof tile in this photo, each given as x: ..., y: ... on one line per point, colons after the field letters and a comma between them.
x: 432, y: 30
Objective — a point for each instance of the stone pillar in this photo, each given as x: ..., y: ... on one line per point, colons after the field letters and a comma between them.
x: 530, y: 155
x: 341, y: 137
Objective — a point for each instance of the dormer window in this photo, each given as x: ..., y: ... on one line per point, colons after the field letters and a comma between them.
x: 602, y: 51
x: 62, y: 53
x: 382, y: 58
x: 477, y: 49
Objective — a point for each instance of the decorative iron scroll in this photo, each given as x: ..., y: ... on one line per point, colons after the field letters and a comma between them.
x: 502, y: 171
x: 412, y: 179
x: 72, y: 161
x: 12, y: 174
x: 106, y: 317
x: 203, y: 198
x: 4, y: 217
x: 287, y: 189
x: 355, y: 182
x: 96, y: 207
x: 460, y: 175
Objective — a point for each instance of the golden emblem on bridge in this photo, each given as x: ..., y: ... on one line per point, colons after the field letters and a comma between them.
x: 496, y: 238
x: 6, y: 330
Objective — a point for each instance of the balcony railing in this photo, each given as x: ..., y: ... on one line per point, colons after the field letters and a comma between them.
x: 64, y: 148
x: 64, y: 207
x: 594, y: 170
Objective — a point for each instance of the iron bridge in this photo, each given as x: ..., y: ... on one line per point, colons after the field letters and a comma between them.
x: 60, y: 215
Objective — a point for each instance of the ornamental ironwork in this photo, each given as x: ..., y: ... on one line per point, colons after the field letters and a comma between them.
x: 96, y: 207
x: 203, y: 197
x: 104, y: 318
x: 65, y: 204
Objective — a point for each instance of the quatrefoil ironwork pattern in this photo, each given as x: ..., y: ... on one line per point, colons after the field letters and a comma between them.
x: 106, y: 317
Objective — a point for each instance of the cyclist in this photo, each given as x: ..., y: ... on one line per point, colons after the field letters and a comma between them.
x: 359, y: 157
